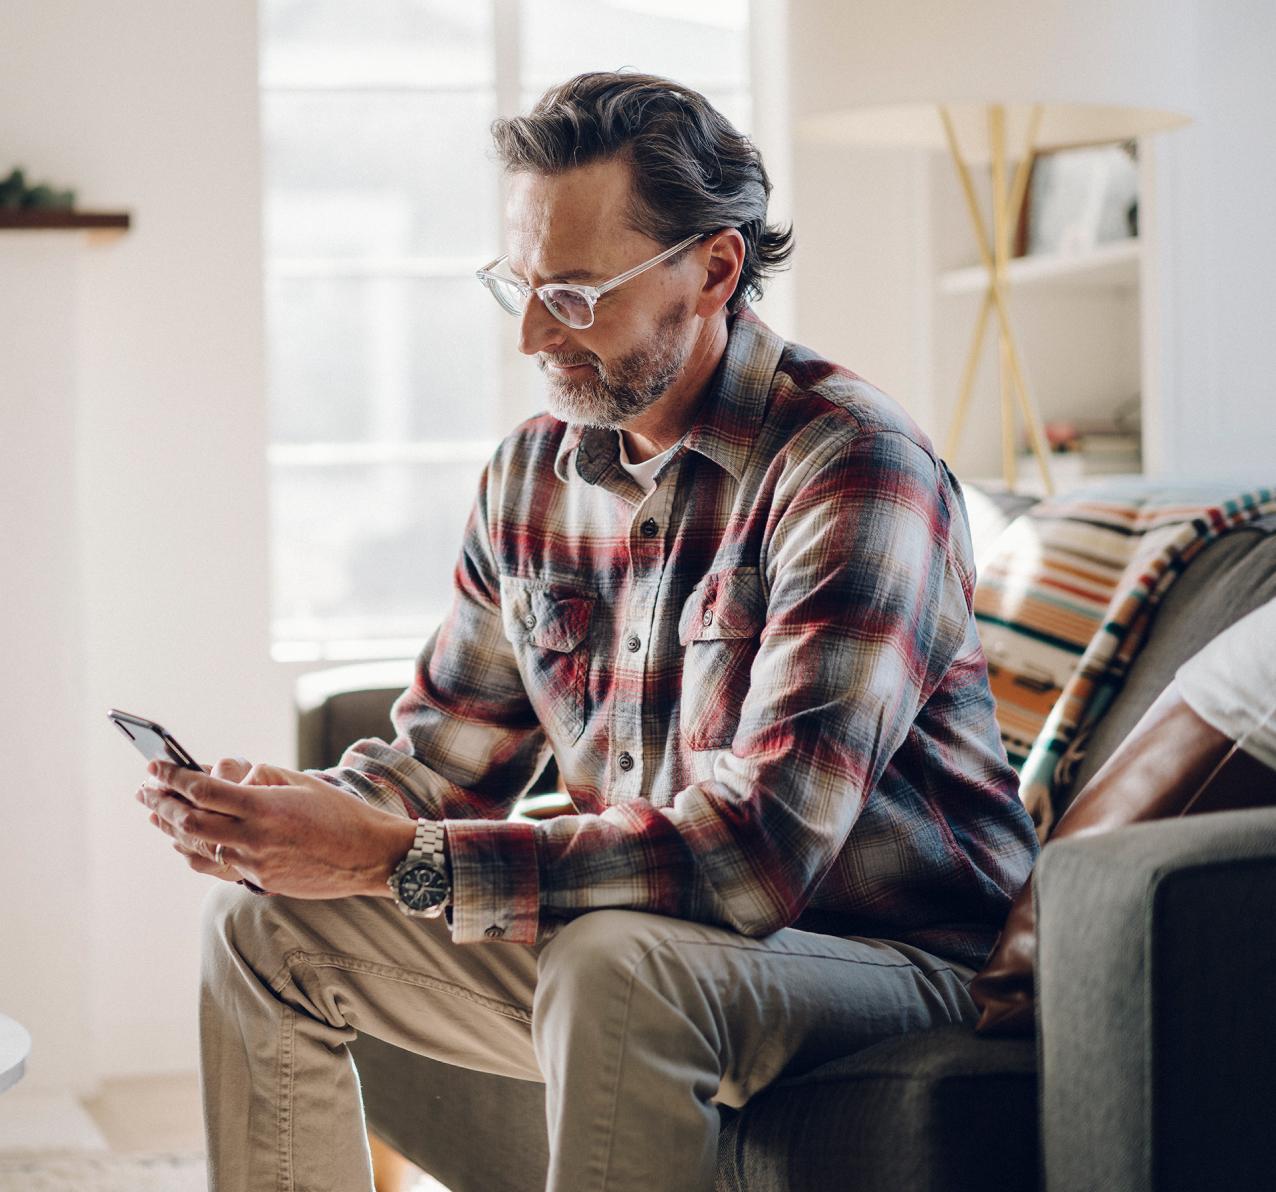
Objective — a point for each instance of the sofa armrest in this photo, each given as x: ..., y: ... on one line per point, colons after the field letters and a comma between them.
x: 1156, y: 971
x: 339, y: 705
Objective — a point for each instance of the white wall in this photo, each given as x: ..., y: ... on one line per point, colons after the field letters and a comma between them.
x: 862, y: 264
x: 1214, y: 183
x: 44, y: 923
x: 138, y: 455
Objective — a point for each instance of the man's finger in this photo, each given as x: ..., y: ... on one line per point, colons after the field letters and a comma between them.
x: 232, y: 769
x: 264, y: 774
x: 201, y: 864
x: 203, y: 790
x: 207, y: 850
x: 196, y: 827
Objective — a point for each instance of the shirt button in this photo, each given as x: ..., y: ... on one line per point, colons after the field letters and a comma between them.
x: 494, y: 932
x: 529, y: 621
x: 633, y: 645
x: 707, y: 619
x: 625, y: 761
x: 649, y: 528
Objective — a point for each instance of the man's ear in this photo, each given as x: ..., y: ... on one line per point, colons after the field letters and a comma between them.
x: 722, y: 271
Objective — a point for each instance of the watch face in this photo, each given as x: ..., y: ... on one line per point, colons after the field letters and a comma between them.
x: 421, y: 886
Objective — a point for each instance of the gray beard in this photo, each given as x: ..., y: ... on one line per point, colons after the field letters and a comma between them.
x: 634, y: 383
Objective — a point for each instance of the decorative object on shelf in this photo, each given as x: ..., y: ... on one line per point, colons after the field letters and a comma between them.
x: 1080, y: 198
x: 963, y: 78
x: 15, y: 1046
x: 1084, y: 448
x: 17, y: 195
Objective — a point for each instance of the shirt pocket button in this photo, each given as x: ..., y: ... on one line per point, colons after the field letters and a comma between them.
x: 494, y: 932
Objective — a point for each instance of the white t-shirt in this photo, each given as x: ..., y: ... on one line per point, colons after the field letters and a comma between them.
x: 645, y: 472
x: 1231, y: 683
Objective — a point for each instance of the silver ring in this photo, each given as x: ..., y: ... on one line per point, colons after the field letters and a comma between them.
x: 217, y: 855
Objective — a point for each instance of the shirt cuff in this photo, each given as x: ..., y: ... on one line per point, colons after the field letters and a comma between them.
x: 495, y: 881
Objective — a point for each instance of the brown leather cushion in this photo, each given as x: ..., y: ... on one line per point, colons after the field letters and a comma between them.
x: 1173, y: 763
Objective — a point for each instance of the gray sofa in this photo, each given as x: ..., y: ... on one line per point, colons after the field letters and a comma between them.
x: 1155, y: 1061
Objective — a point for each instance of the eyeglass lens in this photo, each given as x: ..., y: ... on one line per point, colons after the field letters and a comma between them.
x: 507, y: 294
x: 568, y: 306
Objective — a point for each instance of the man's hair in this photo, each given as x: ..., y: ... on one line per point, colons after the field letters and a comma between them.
x: 692, y: 170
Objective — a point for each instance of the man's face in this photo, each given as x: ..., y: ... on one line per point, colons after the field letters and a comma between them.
x: 570, y: 227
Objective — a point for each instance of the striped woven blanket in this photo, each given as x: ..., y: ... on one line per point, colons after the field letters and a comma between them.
x: 1064, y: 602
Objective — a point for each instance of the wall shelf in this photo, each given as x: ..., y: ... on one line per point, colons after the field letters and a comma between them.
x: 101, y: 225
x: 1079, y: 325
x: 1113, y: 265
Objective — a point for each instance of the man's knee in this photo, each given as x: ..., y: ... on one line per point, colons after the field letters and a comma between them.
x: 615, y: 979
x: 602, y: 938
x: 609, y: 951
x: 237, y: 922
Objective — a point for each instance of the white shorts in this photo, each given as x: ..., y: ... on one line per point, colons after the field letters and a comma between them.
x: 1231, y: 683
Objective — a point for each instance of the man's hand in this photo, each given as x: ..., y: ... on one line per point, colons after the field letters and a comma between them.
x: 287, y: 832
x: 202, y: 858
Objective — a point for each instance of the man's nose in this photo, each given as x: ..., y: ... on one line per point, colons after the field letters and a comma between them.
x: 538, y: 330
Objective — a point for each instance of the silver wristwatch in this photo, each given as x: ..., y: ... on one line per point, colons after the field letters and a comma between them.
x: 420, y: 882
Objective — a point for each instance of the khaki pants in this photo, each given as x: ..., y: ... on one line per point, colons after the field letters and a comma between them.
x: 637, y: 1024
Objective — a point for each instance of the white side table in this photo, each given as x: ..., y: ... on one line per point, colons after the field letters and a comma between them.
x: 15, y: 1046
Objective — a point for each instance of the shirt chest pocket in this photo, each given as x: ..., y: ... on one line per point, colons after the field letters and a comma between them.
x: 547, y: 624
x: 718, y: 629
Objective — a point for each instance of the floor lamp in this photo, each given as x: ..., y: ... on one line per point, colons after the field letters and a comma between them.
x: 999, y: 135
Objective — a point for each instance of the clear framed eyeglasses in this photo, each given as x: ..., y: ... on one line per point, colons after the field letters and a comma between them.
x: 569, y: 304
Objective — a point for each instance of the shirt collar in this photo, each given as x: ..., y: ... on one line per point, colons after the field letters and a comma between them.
x: 597, y: 449
x: 730, y: 414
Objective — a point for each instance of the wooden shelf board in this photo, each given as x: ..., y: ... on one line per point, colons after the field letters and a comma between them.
x: 45, y: 221
x: 1114, y: 264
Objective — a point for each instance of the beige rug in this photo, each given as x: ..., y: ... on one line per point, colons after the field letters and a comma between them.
x: 80, y: 1171
x: 104, y: 1171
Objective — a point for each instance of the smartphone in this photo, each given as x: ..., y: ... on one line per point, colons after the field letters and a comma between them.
x: 153, y: 741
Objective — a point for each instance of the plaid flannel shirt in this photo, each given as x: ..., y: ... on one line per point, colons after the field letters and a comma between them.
x: 761, y: 682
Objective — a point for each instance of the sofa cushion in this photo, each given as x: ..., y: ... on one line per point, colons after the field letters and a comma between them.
x: 942, y: 1110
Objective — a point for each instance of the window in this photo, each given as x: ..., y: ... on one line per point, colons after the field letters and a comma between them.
x: 392, y: 375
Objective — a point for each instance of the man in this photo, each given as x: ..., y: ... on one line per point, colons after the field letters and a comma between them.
x: 728, y: 586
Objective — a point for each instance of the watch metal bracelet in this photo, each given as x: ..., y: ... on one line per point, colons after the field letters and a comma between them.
x: 423, y: 870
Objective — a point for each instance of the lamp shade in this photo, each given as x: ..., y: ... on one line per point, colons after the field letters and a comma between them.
x: 1102, y: 70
